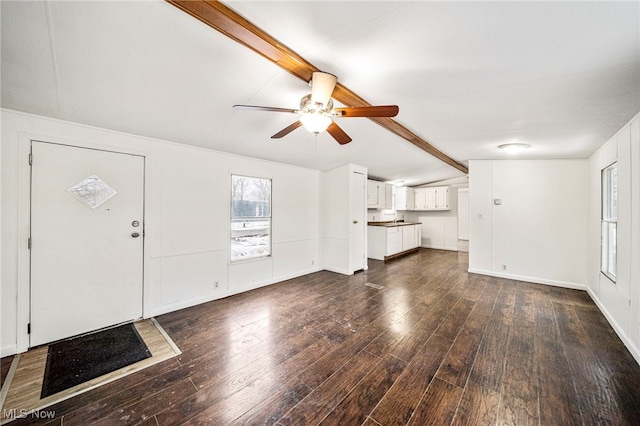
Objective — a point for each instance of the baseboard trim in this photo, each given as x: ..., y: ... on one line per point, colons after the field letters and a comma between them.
x: 563, y: 284
x: 439, y: 248
x: 339, y: 270
x: 635, y: 351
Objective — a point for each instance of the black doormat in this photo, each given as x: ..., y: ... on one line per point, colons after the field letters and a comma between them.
x: 75, y: 361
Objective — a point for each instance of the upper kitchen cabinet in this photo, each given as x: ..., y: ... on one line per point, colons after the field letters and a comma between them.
x: 432, y: 198
x: 379, y: 195
x: 405, y: 198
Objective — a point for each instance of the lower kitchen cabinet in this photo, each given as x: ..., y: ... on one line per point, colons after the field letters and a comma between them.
x: 385, y: 241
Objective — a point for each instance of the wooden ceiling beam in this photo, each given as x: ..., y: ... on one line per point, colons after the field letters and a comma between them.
x: 225, y: 20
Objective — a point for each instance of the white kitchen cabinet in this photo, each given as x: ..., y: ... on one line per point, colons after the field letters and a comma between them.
x: 388, y: 197
x: 379, y: 195
x: 394, y: 241
x: 405, y: 198
x: 432, y: 198
x: 384, y: 241
x: 408, y: 237
x: 442, y: 198
x: 420, y: 199
x: 372, y: 193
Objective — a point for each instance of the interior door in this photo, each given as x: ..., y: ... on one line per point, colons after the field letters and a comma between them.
x: 358, y: 222
x: 87, y: 240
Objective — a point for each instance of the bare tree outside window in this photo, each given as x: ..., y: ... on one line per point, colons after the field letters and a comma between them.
x: 250, y: 218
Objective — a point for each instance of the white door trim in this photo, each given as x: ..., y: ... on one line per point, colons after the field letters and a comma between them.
x: 23, y: 302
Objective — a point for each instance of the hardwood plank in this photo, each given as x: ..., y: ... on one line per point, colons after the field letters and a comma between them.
x: 361, y: 401
x: 370, y: 422
x: 252, y: 360
x: 478, y: 406
x: 599, y: 361
x: 455, y: 319
x: 5, y: 365
x: 505, y: 304
x: 260, y: 377
x: 229, y: 410
x: 322, y: 369
x: 429, y: 312
x: 326, y: 396
x: 489, y: 363
x: 456, y: 367
x: 136, y: 412
x: 556, y: 392
x: 269, y: 410
x: 523, y: 314
x: 398, y: 405
x: 514, y: 352
x: 519, y: 392
x: 438, y: 407
x: 407, y: 347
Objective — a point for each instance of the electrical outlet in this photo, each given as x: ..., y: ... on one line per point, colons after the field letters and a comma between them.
x: 215, y: 284
x: 504, y: 267
x: 313, y: 262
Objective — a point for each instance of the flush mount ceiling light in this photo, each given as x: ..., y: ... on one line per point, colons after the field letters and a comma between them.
x: 514, y: 148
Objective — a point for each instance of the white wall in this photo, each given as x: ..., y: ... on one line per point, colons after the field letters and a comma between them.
x: 539, y: 230
x: 186, y: 216
x: 619, y: 301
x: 463, y: 214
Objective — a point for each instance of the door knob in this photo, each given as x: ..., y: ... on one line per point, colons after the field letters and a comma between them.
x: 355, y: 221
x: 135, y: 234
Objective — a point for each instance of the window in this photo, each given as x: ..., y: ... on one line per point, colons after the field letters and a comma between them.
x: 250, y: 218
x: 608, y: 264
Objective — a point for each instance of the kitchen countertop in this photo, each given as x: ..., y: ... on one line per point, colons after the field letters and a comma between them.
x: 391, y: 224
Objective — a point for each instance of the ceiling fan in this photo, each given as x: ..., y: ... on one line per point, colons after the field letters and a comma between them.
x: 317, y: 112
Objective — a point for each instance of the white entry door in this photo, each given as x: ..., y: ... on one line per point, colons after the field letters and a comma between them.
x: 87, y: 240
x: 358, y: 224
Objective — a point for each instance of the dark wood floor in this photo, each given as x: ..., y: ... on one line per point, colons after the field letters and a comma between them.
x: 434, y: 346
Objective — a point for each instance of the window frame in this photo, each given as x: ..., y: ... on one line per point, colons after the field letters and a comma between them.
x: 609, y: 221
x: 269, y: 254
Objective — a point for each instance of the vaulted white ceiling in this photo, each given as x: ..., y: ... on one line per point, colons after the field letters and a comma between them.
x: 560, y: 76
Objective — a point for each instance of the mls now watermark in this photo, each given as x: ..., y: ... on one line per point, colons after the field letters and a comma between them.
x: 16, y: 413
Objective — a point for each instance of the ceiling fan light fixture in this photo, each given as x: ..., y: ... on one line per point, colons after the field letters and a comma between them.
x: 322, y: 85
x: 514, y: 148
x: 315, y: 123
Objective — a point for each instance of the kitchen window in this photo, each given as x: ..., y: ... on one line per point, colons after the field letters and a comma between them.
x: 609, y: 222
x: 250, y: 218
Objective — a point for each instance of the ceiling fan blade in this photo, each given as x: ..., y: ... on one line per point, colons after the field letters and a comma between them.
x: 287, y: 130
x: 322, y: 85
x: 368, y: 111
x: 264, y: 108
x: 338, y: 134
